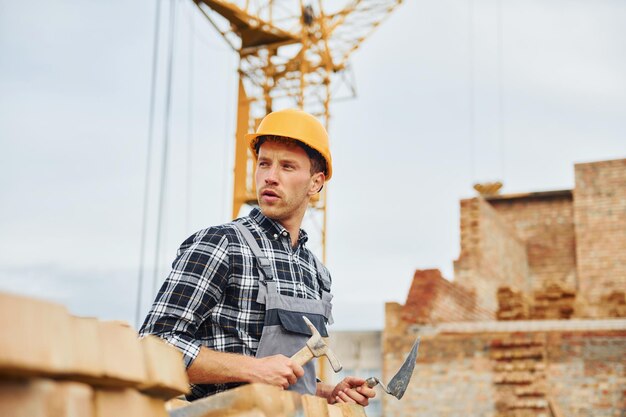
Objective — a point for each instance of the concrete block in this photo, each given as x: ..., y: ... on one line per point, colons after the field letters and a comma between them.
x: 175, y: 403
x: 36, y: 337
x: 251, y: 413
x: 267, y: 399
x: 334, y: 411
x: 86, y: 360
x: 122, y: 357
x: 314, y: 406
x: 45, y: 398
x: 127, y: 402
x: 73, y: 399
x: 351, y: 410
x: 167, y: 376
x: 293, y: 402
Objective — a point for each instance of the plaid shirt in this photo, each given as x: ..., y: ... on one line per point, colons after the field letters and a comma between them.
x: 209, y: 297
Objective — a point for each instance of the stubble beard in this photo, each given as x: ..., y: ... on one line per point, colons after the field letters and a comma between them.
x: 282, y: 209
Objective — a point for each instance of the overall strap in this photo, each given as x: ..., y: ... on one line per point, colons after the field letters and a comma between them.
x: 321, y: 273
x: 263, y: 261
x: 324, y: 280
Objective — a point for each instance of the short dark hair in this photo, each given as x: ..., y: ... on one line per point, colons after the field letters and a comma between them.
x: 318, y: 162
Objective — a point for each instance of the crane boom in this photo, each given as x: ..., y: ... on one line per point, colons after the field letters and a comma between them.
x: 291, y: 53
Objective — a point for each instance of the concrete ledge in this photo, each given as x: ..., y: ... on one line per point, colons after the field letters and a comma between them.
x: 524, y: 326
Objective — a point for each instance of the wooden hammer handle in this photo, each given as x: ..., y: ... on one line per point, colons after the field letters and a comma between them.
x: 302, y: 356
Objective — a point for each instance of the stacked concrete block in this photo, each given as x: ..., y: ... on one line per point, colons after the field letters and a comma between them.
x: 554, y: 301
x: 37, y: 397
x: 520, y: 376
x: 129, y: 402
x: 315, y: 406
x: 165, y: 377
x: 55, y: 365
x: 512, y: 304
x: 614, y: 304
x: 86, y: 351
x: 122, y: 356
x: 261, y: 400
x: 36, y: 339
x: 347, y: 410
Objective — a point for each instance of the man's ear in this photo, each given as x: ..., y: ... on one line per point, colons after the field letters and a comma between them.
x: 317, y: 183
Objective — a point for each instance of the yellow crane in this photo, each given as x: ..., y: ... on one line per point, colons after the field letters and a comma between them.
x: 292, y: 54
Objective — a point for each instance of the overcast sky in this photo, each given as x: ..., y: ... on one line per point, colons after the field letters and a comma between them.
x: 74, y: 100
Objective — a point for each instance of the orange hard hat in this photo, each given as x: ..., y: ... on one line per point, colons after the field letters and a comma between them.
x: 298, y: 125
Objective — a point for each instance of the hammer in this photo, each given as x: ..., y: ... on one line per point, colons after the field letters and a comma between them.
x: 316, y: 347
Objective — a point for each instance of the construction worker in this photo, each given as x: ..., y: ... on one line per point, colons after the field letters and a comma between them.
x: 234, y: 300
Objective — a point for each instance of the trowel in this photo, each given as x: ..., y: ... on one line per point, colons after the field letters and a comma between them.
x: 400, y: 381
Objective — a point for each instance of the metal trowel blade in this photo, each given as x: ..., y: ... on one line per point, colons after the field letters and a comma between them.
x: 400, y: 381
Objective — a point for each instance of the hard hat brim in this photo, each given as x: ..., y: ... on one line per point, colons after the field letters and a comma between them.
x: 252, y: 139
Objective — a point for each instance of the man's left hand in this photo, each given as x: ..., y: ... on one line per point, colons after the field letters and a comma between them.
x: 352, y: 390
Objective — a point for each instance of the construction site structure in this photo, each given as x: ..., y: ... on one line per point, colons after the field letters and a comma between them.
x: 292, y: 54
x: 534, y: 323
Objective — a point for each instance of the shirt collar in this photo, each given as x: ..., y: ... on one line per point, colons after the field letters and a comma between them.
x: 272, y: 227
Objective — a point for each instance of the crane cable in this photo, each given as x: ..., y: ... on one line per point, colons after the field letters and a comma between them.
x: 190, y: 97
x: 146, y: 193
x: 472, y: 121
x: 166, y: 136
x: 227, y: 150
x: 501, y: 130
x: 472, y: 94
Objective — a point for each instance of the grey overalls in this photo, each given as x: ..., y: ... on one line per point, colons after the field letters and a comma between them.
x: 284, y: 330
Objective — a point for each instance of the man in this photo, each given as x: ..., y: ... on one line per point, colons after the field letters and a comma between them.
x: 234, y: 301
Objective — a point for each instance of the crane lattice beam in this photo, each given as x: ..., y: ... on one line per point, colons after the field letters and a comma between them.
x: 291, y: 54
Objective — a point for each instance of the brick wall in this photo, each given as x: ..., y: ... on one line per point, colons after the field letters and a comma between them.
x: 466, y: 373
x: 535, y: 242
x: 545, y: 221
x: 492, y: 254
x: 434, y: 299
x: 600, y: 217
x: 451, y: 378
x: 587, y: 372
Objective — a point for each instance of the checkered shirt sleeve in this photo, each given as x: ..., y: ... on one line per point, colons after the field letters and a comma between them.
x: 194, y: 286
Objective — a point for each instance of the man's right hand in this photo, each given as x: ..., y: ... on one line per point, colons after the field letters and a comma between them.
x: 212, y: 367
x: 276, y: 370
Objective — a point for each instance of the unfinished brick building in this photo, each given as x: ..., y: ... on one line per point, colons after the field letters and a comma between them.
x: 534, y: 323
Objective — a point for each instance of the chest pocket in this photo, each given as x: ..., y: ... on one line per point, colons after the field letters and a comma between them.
x: 292, y: 322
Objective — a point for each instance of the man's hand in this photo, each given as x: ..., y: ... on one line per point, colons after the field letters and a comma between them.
x: 212, y: 367
x: 276, y: 370
x: 352, y: 390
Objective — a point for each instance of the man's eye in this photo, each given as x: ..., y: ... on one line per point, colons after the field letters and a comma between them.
x: 263, y: 163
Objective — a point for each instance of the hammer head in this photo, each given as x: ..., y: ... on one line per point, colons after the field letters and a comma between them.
x: 318, y: 347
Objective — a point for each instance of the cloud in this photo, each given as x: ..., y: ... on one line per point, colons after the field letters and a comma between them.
x: 105, y: 293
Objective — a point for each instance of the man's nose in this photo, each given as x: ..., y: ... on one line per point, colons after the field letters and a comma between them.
x: 270, y: 177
